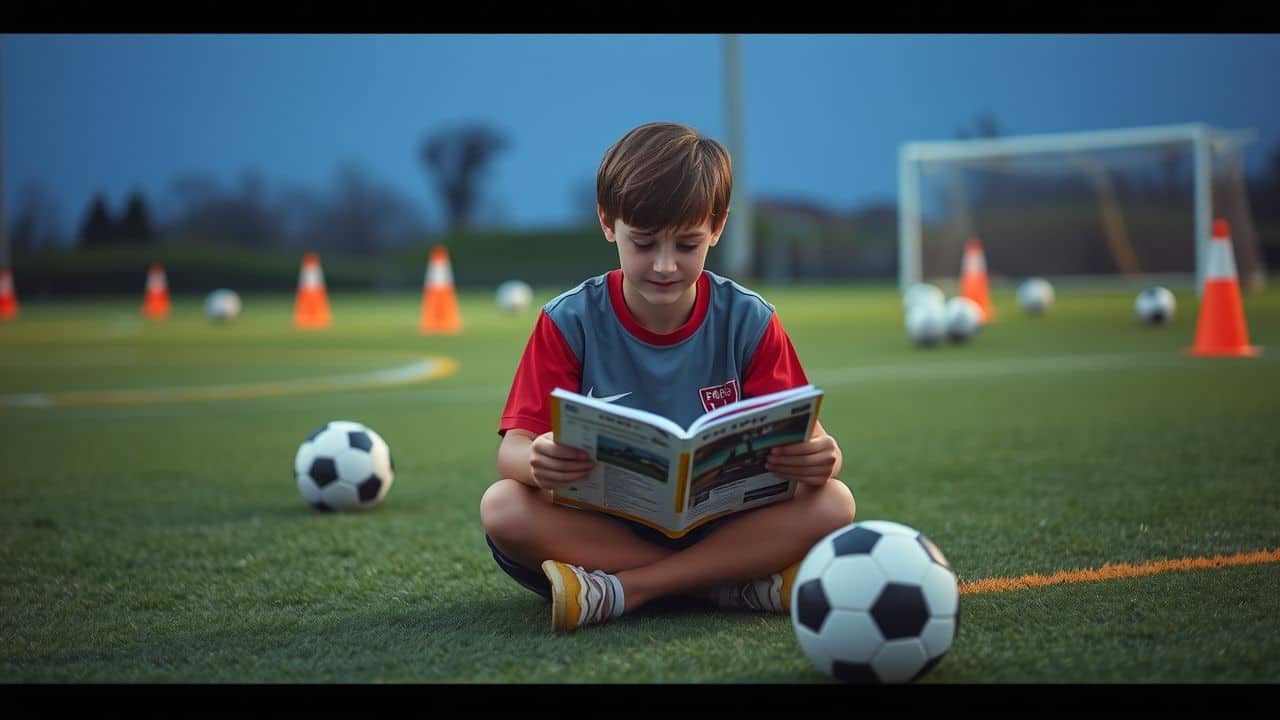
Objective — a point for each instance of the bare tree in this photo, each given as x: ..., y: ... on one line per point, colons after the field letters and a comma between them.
x: 98, y: 227
x: 985, y: 125
x: 135, y: 225
x: 356, y: 215
x: 296, y: 205
x: 456, y: 159
x: 363, y: 216
x: 209, y: 214
x: 36, y: 224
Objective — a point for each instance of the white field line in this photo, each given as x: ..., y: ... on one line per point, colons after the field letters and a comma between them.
x: 422, y: 370
x: 951, y: 369
x: 44, y: 360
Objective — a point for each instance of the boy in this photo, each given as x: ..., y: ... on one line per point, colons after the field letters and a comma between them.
x: 660, y: 334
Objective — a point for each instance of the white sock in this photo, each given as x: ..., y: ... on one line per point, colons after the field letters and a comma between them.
x: 619, y: 601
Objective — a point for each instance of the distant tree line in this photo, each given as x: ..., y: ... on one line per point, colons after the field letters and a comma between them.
x: 133, y: 227
x: 355, y: 214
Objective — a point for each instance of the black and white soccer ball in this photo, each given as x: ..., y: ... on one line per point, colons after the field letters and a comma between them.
x: 964, y: 318
x: 875, y: 602
x: 922, y: 292
x: 343, y: 465
x: 222, y: 305
x: 1035, y: 295
x: 1155, y: 305
x: 514, y: 296
x: 926, y: 322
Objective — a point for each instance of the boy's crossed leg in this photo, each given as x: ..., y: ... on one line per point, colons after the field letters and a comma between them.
x: 590, y: 560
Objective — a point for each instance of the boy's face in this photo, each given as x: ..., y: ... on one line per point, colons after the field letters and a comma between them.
x: 662, y: 266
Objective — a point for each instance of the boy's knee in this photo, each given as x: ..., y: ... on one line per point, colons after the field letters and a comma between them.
x: 837, y: 505
x: 503, y: 509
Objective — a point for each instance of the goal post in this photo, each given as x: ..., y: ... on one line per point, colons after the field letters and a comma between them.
x: 1131, y: 202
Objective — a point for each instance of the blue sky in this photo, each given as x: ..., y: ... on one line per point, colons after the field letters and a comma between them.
x: 825, y: 114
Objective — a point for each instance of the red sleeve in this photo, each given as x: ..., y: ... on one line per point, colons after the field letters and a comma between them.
x: 547, y: 363
x: 774, y: 365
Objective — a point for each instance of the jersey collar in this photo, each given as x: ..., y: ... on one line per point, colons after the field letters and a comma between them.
x: 620, y: 311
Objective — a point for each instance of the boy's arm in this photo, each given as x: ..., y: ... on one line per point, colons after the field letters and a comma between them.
x: 527, y: 453
x: 546, y: 364
x: 513, y: 456
x: 539, y: 461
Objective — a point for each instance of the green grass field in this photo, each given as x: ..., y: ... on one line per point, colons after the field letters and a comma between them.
x: 160, y: 538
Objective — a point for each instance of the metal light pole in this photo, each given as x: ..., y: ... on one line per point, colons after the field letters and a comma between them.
x: 4, y: 222
x: 740, y: 246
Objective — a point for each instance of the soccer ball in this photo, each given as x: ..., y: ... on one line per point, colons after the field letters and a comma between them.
x: 1154, y: 305
x: 875, y: 602
x: 926, y: 323
x: 922, y: 292
x: 514, y: 296
x: 222, y: 305
x: 1035, y: 295
x: 343, y: 465
x: 964, y: 318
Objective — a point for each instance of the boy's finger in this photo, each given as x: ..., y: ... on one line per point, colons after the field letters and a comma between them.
x: 562, y: 452
x: 799, y: 463
x: 795, y: 449
x: 573, y: 465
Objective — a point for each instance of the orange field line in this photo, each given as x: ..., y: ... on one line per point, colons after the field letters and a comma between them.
x: 1114, y: 571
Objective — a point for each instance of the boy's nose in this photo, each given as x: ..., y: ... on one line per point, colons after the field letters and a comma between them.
x: 664, y: 262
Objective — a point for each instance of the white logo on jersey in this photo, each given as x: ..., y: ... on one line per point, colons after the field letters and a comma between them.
x: 611, y: 398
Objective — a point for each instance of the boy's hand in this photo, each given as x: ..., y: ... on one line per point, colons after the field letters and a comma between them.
x: 555, y: 465
x: 813, y: 461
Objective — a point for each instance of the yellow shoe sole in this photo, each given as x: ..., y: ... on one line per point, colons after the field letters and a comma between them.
x: 564, y: 599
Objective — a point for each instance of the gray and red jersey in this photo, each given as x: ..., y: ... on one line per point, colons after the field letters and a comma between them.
x: 585, y: 340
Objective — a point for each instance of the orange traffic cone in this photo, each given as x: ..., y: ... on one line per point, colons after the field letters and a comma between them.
x: 439, y: 299
x: 973, y: 279
x: 311, y: 307
x: 8, y: 296
x: 155, y: 304
x: 1221, y: 330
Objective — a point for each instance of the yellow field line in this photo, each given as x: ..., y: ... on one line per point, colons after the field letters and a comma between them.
x: 1115, y: 571
x: 429, y: 368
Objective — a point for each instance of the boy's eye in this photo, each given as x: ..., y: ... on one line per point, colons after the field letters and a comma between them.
x: 687, y: 248
x: 642, y: 245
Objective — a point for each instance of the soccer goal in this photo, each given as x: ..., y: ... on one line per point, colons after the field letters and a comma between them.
x: 1127, y: 203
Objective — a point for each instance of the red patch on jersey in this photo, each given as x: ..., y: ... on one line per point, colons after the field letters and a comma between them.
x: 719, y: 395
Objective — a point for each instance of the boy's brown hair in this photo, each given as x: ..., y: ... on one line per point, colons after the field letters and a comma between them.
x: 665, y: 175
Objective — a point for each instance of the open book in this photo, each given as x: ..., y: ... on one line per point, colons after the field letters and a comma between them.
x: 673, y: 479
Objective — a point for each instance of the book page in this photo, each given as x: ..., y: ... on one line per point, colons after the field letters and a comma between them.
x: 728, y: 464
x: 637, y: 464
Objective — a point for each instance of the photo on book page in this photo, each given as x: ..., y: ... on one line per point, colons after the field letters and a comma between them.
x: 628, y: 457
x: 742, y: 454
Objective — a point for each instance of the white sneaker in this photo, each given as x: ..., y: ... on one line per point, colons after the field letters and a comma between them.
x: 578, y: 597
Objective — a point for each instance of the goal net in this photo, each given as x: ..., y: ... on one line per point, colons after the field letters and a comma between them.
x: 1130, y: 203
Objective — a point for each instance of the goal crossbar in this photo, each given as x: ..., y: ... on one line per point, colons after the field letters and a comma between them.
x: 1204, y: 140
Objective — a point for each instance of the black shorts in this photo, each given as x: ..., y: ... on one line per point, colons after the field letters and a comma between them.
x: 537, y: 582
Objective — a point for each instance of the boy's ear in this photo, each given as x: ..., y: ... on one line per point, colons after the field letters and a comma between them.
x: 604, y: 224
x: 718, y: 229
